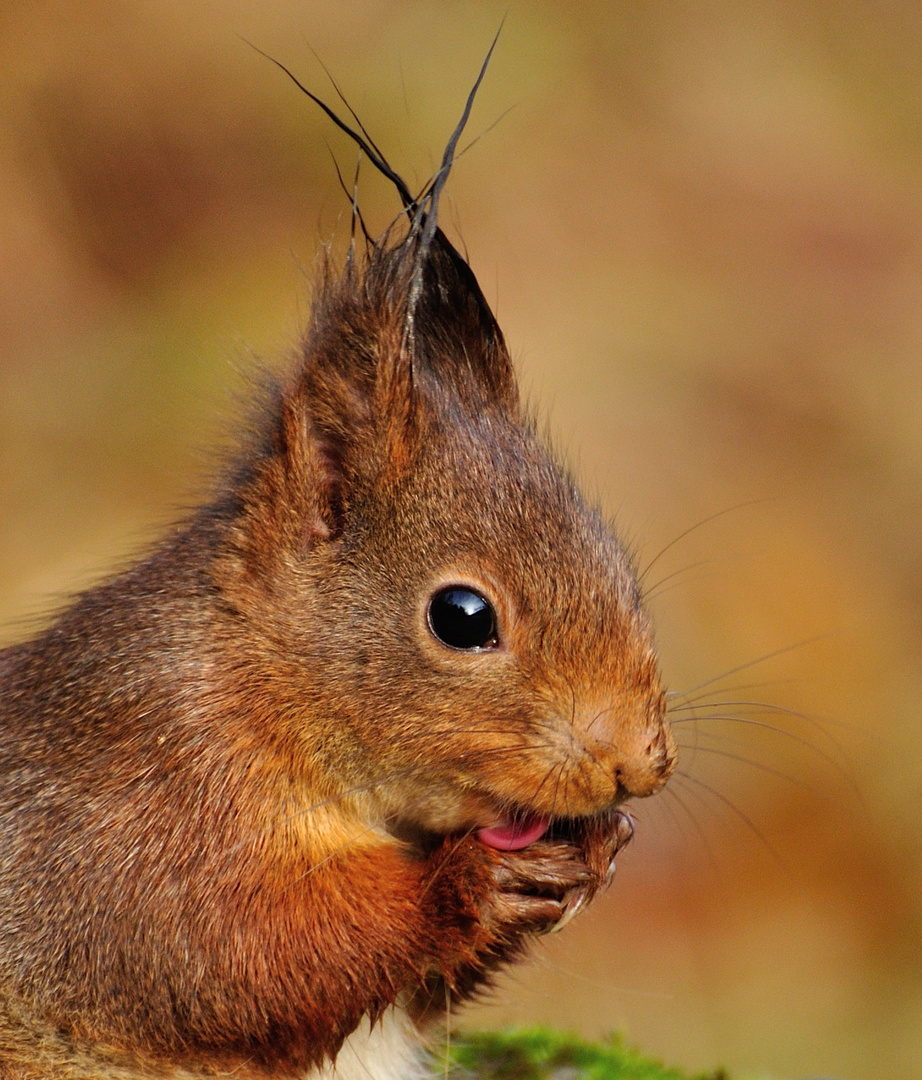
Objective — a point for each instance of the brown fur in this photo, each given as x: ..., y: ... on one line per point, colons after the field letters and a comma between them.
x: 240, y: 784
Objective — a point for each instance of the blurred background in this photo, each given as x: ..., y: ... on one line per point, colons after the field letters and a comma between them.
x: 701, y: 227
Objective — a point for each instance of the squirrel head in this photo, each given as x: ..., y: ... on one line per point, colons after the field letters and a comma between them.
x: 428, y: 601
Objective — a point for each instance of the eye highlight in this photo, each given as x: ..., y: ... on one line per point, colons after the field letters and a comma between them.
x: 461, y: 618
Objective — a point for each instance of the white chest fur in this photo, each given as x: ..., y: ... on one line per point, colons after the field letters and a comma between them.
x: 391, y: 1050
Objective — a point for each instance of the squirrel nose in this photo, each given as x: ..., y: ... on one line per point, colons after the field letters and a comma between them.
x: 635, y: 743
x: 644, y: 767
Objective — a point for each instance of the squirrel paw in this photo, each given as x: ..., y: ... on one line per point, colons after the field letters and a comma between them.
x: 538, y: 886
x: 542, y: 887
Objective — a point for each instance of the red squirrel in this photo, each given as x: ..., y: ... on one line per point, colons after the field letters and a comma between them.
x: 349, y: 737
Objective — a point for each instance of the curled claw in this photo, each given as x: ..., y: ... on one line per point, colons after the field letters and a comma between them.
x: 520, y: 914
x: 574, y: 901
x: 623, y: 832
x: 624, y: 829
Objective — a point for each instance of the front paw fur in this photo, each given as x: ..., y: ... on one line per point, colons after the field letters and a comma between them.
x: 536, y: 886
x: 539, y: 889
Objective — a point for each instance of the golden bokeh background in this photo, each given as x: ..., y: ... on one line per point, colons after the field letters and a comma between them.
x: 701, y: 227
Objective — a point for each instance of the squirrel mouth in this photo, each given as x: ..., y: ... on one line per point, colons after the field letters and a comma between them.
x: 523, y: 830
x: 515, y: 834
x: 513, y: 829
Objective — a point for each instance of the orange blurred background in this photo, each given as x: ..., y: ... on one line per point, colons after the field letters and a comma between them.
x: 701, y: 228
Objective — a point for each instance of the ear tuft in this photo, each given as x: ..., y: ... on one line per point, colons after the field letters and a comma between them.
x: 455, y: 334
x: 398, y: 332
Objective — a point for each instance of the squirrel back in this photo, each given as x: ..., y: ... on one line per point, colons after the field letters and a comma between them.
x: 347, y: 737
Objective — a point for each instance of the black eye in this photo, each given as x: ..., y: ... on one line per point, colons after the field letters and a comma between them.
x: 462, y: 618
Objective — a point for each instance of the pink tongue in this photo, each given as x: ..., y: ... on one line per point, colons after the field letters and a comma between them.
x: 515, y: 835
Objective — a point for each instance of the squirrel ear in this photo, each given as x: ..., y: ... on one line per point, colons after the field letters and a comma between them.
x: 295, y: 478
x: 373, y: 370
x: 454, y: 333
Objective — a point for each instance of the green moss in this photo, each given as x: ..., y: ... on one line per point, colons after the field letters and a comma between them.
x: 542, y: 1054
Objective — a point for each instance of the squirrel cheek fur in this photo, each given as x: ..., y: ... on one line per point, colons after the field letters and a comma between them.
x: 243, y: 784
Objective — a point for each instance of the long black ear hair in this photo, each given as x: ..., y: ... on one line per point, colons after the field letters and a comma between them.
x: 442, y: 300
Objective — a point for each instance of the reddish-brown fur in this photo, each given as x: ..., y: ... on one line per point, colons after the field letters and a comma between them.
x: 240, y: 784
